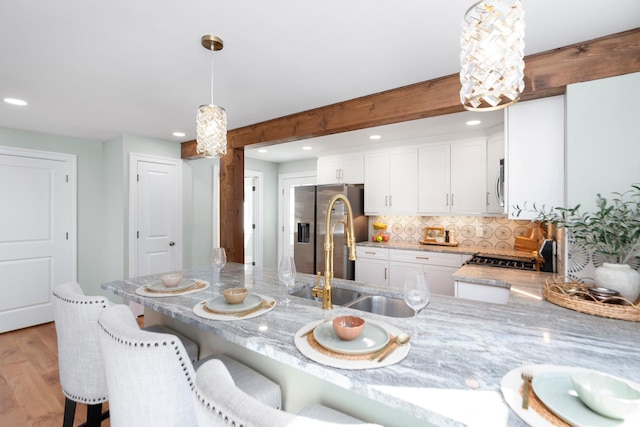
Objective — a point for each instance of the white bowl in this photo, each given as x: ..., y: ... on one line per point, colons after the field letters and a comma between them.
x: 605, y: 394
x: 171, y: 280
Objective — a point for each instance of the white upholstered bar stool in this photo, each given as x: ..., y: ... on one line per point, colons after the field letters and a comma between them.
x: 79, y: 355
x: 219, y: 402
x: 150, y: 378
x: 80, y: 363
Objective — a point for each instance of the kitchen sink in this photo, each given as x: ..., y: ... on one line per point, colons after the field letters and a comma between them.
x: 378, y: 304
x: 339, y: 296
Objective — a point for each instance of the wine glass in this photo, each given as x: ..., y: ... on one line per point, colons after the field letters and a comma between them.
x: 416, y: 292
x: 287, y: 275
x: 218, y: 260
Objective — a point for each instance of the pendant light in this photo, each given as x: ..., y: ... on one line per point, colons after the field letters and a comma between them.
x: 492, y: 55
x: 211, y: 135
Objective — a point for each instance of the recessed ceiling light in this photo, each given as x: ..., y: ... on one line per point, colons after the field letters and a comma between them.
x: 375, y: 137
x: 263, y: 150
x: 179, y: 134
x: 306, y: 147
x: 14, y: 101
x: 473, y: 122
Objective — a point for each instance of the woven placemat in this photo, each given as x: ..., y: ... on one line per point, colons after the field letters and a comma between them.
x: 536, y: 404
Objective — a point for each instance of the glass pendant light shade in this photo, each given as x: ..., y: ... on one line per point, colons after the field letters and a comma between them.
x: 211, y: 140
x: 211, y: 121
x: 492, y: 55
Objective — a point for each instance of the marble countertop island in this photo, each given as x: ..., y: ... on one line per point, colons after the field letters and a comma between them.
x: 452, y: 373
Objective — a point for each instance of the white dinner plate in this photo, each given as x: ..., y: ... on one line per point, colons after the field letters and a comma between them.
x: 556, y: 391
x: 219, y: 304
x: 372, y: 338
x: 160, y: 287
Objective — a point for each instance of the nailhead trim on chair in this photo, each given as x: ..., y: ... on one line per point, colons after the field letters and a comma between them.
x: 213, y: 409
x: 190, y: 380
x: 74, y: 301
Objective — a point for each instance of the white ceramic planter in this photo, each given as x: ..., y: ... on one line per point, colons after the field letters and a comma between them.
x: 620, y: 277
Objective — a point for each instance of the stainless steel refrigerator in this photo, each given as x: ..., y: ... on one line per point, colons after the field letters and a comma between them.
x: 311, y: 204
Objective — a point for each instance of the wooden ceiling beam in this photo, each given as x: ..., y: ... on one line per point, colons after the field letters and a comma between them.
x: 546, y: 74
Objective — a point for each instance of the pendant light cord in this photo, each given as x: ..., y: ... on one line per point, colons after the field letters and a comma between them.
x: 212, y: 50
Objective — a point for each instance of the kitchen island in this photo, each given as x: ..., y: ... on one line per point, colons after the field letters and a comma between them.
x: 452, y: 373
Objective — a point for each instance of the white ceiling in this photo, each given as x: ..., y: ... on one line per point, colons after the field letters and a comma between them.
x: 98, y: 69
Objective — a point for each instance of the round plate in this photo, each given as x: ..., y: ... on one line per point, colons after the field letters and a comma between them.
x: 160, y: 287
x: 556, y: 391
x: 219, y: 304
x: 373, y: 338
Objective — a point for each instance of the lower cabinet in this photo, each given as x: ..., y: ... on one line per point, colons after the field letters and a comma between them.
x: 372, y: 266
x: 479, y: 292
x: 384, y: 267
x: 438, y: 266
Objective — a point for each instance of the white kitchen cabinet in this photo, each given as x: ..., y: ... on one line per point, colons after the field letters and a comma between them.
x: 434, y: 178
x: 495, y: 174
x: 343, y: 169
x: 481, y: 292
x: 438, y: 266
x: 390, y: 182
x: 535, y: 154
x: 372, y: 266
x: 452, y: 177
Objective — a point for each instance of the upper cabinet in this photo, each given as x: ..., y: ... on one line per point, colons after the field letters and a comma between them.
x: 535, y: 154
x: 495, y: 174
x: 390, y: 182
x: 341, y: 169
x: 452, y: 178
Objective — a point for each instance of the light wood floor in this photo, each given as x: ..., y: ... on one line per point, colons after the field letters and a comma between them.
x: 30, y: 393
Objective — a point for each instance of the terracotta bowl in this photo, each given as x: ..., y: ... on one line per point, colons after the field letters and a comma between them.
x: 171, y: 280
x: 235, y: 295
x: 348, y: 327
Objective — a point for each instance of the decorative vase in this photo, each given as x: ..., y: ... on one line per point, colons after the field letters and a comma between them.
x: 620, y: 277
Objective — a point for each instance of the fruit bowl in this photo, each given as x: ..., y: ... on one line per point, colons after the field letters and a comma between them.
x: 606, y: 394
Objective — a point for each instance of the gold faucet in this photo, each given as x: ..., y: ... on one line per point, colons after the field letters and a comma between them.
x: 325, y: 291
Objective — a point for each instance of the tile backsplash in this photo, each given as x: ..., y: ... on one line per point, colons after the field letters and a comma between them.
x: 469, y: 231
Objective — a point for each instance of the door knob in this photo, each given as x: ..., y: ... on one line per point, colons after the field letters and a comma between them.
x: 172, y: 243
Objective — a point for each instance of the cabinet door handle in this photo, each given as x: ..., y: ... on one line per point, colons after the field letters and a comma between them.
x: 447, y: 202
x: 390, y: 200
x: 451, y: 199
x: 487, y: 199
x: 370, y: 253
x: 422, y: 257
x: 385, y: 273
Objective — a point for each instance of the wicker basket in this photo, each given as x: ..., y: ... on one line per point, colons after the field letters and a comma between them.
x: 567, y: 293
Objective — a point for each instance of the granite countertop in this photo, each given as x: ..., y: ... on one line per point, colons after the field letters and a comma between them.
x: 466, y: 347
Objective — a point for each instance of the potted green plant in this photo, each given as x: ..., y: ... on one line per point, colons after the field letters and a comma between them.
x: 612, y: 230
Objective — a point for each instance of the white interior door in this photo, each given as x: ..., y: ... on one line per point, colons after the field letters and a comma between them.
x: 249, y: 222
x: 37, y: 233
x: 157, y: 215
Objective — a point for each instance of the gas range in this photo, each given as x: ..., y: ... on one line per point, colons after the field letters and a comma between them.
x: 504, y: 261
